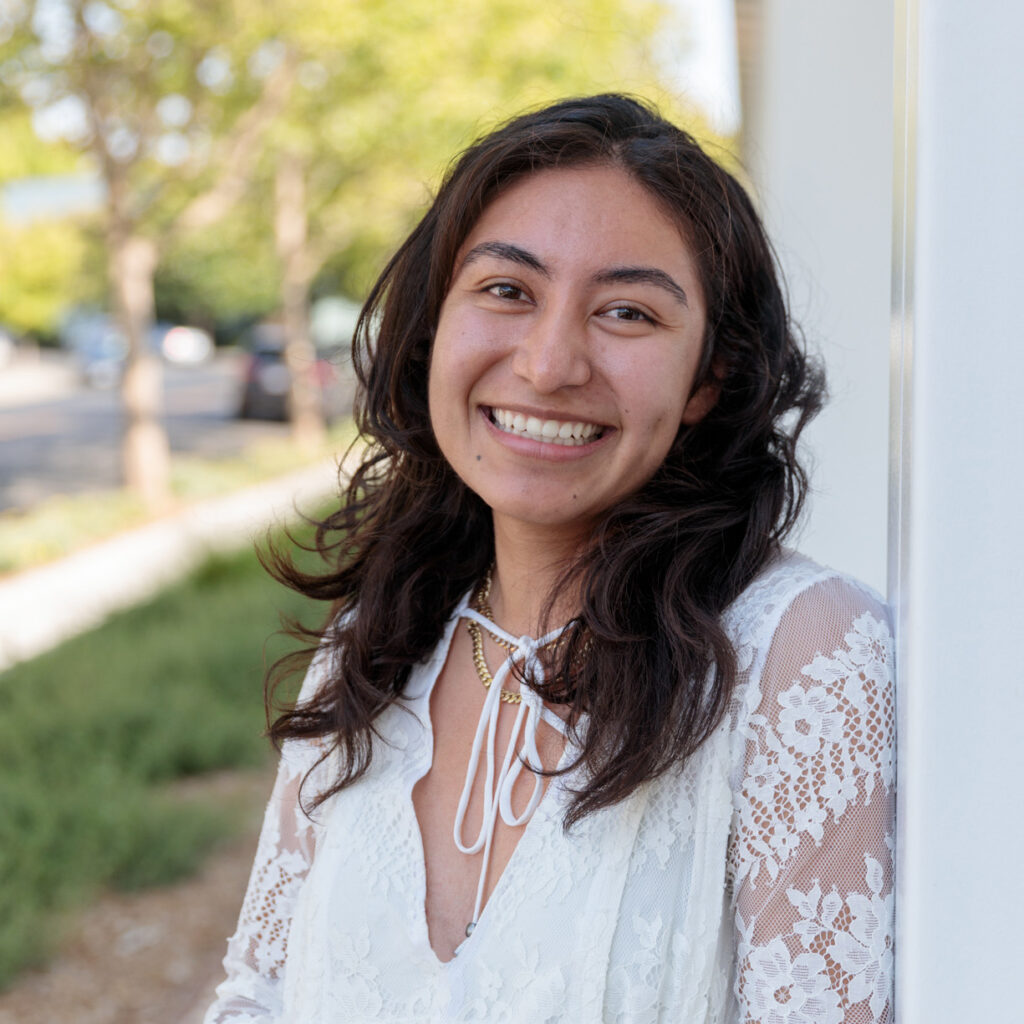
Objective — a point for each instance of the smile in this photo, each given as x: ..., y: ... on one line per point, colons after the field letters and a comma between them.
x: 563, y: 432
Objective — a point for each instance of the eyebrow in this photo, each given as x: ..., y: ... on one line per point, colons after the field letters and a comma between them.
x: 643, y: 275
x: 506, y: 251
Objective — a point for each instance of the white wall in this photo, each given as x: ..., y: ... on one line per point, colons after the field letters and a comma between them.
x: 818, y: 144
x: 819, y: 122
x: 958, y: 578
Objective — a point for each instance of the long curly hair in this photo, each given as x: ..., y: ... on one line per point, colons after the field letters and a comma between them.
x: 646, y: 659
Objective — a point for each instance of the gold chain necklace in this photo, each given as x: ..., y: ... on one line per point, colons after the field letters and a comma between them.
x: 480, y: 601
x: 483, y: 606
x: 507, y: 696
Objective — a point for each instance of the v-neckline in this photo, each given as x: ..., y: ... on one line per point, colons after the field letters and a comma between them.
x: 421, y: 705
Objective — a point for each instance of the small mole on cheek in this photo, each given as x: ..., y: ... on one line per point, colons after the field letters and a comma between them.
x: 574, y: 497
x: 478, y: 458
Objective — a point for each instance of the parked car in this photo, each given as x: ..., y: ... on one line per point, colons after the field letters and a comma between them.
x: 266, y: 379
x: 182, y: 345
x: 101, y: 350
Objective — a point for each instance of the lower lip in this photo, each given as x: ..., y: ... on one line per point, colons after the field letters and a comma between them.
x: 542, y: 449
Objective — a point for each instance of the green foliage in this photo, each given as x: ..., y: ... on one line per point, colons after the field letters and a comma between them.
x: 44, y: 263
x: 93, y: 730
x: 41, y: 264
x: 217, y: 277
x: 24, y: 155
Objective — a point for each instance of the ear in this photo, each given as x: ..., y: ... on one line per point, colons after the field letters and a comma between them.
x: 702, y: 401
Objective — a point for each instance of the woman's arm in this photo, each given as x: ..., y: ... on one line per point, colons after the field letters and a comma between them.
x: 812, y: 847
x: 257, y: 952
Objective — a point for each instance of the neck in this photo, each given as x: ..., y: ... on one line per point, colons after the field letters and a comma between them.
x: 527, y: 564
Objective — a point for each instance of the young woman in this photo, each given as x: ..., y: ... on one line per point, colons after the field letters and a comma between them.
x: 581, y: 741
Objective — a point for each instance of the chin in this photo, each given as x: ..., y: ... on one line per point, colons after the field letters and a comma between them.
x: 557, y: 517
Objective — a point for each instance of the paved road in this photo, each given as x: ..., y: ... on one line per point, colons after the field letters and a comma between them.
x: 70, y: 442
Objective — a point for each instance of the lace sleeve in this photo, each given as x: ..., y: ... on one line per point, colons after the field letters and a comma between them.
x: 255, y: 960
x: 811, y: 854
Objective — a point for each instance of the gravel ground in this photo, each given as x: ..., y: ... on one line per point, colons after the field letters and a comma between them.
x: 152, y: 957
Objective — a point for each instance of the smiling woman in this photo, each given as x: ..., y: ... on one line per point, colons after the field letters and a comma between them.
x: 582, y: 741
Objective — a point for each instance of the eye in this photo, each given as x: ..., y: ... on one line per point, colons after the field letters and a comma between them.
x: 628, y: 314
x: 505, y: 290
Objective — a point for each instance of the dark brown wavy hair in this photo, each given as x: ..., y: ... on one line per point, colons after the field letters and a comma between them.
x: 662, y: 565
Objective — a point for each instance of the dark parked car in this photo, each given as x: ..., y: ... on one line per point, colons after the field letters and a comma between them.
x: 266, y: 378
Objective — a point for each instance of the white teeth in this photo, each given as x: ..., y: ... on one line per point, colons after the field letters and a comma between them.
x: 564, y: 432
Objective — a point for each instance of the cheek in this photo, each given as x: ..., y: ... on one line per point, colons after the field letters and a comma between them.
x: 452, y: 374
x: 652, y: 393
x: 435, y: 375
x: 446, y: 360
x: 442, y: 402
x: 467, y: 350
x: 440, y: 397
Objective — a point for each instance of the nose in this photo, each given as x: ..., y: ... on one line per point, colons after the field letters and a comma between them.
x: 552, y: 354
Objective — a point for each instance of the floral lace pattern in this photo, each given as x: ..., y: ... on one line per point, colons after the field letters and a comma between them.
x: 752, y: 885
x: 811, y: 861
x: 258, y: 951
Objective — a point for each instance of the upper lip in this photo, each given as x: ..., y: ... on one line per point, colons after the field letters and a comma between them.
x: 563, y: 416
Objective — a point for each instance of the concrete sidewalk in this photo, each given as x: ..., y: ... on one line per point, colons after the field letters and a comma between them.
x: 41, y: 607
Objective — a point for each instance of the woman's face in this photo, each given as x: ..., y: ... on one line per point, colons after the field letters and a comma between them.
x: 567, y: 347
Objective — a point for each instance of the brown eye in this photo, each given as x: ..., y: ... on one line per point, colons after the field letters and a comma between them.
x: 628, y: 314
x: 504, y: 290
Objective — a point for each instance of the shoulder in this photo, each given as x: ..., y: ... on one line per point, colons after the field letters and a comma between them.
x: 797, y: 601
x: 815, y: 666
x: 812, y: 716
x: 803, y: 631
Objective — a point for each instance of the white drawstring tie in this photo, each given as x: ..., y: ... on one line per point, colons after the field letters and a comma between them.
x: 498, y: 791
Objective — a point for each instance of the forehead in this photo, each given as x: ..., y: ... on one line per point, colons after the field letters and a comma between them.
x: 591, y: 213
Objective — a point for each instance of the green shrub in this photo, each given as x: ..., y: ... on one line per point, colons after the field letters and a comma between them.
x: 93, y: 731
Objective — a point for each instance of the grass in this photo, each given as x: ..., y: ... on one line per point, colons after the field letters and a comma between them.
x: 60, y: 525
x: 94, y: 733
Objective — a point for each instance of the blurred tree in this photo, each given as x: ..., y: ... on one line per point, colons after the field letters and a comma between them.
x: 221, y: 279
x: 291, y: 234
x: 170, y: 101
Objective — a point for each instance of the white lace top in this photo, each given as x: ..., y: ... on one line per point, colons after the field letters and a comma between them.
x: 754, y: 885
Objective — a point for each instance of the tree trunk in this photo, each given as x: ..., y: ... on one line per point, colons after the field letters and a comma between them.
x: 291, y: 233
x: 146, y: 463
